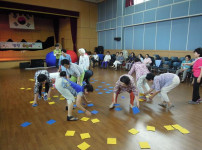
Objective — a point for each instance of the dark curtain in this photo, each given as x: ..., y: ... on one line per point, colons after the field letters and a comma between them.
x: 56, y: 29
x: 73, y: 22
x: 129, y: 3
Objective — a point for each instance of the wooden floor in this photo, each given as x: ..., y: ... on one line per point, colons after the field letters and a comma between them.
x: 15, y: 109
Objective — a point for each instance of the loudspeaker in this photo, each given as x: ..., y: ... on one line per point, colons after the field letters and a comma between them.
x: 37, y: 63
x: 117, y: 38
x: 24, y: 65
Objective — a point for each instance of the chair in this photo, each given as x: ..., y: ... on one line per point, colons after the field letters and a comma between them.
x: 164, y: 59
x: 174, y: 59
x: 166, y: 65
x: 181, y: 59
x: 156, y: 66
x: 175, y: 66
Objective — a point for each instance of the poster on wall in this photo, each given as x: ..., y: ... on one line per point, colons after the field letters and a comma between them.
x: 21, y: 45
x: 21, y: 21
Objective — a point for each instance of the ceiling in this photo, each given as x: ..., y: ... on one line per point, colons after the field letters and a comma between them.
x: 94, y: 1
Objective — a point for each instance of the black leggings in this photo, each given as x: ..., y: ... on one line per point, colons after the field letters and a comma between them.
x: 196, y: 86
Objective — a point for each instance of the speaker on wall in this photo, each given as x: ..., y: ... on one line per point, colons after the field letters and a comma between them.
x: 117, y: 38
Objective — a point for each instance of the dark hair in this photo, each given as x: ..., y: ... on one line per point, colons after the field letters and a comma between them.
x: 108, y: 52
x: 141, y: 55
x: 41, y: 77
x: 57, y: 45
x: 148, y: 55
x: 121, y: 53
x: 89, y: 88
x: 199, y: 51
x: 63, y: 74
x: 150, y: 76
x: 137, y: 59
x: 65, y: 61
x: 64, y: 50
x: 133, y: 53
x: 125, y: 79
x: 188, y: 56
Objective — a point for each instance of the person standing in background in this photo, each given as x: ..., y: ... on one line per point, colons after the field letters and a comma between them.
x: 62, y: 57
x: 57, y: 52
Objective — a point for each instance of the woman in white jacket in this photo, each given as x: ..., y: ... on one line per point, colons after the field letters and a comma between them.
x: 83, y: 59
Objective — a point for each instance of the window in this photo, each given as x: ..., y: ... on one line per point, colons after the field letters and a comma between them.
x: 136, y: 2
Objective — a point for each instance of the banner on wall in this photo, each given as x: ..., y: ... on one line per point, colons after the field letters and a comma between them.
x: 21, y: 21
x: 21, y: 45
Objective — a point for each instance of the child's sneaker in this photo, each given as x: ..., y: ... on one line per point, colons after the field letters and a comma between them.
x: 199, y: 101
x: 192, y: 102
x: 111, y: 106
x: 45, y: 97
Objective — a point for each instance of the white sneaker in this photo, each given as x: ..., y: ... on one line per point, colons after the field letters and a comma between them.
x: 111, y: 106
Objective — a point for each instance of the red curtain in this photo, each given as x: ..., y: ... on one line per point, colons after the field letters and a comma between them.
x: 73, y: 22
x: 129, y: 3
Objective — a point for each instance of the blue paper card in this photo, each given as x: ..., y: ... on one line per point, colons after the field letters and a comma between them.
x: 123, y: 97
x: 100, y: 93
x: 102, y: 82
x: 118, y: 108
x: 107, y: 84
x: 90, y: 105
x: 97, y: 89
x: 110, y: 90
x: 116, y: 104
x: 107, y: 92
x: 80, y: 111
x: 51, y: 121
x: 136, y: 110
x: 25, y: 124
x: 94, y: 112
x: 74, y: 105
x: 111, y: 87
x: 105, y: 89
x: 99, y: 86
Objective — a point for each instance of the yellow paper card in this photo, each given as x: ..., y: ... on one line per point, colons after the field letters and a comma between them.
x: 62, y: 98
x: 133, y: 131
x: 31, y: 102
x: 55, y: 96
x: 29, y: 88
x: 70, y: 133
x: 184, y: 131
x: 141, y: 100
x: 144, y: 145
x: 49, y: 98
x: 51, y: 103
x: 95, y: 120
x: 85, y: 119
x: 169, y: 127
x: 31, y: 79
x: 111, y: 140
x: 22, y: 88
x: 43, y: 87
x: 52, y: 88
x: 150, y: 128
x: 177, y: 126
x: 85, y: 136
x: 83, y: 146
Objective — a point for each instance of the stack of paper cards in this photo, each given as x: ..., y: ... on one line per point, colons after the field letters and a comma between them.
x: 95, y: 120
x: 144, y: 145
x: 83, y: 146
x: 118, y: 108
x: 111, y: 140
x: 135, y: 110
x: 150, y: 128
x: 133, y: 131
x: 85, y: 119
x: 85, y: 136
x: 69, y: 133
